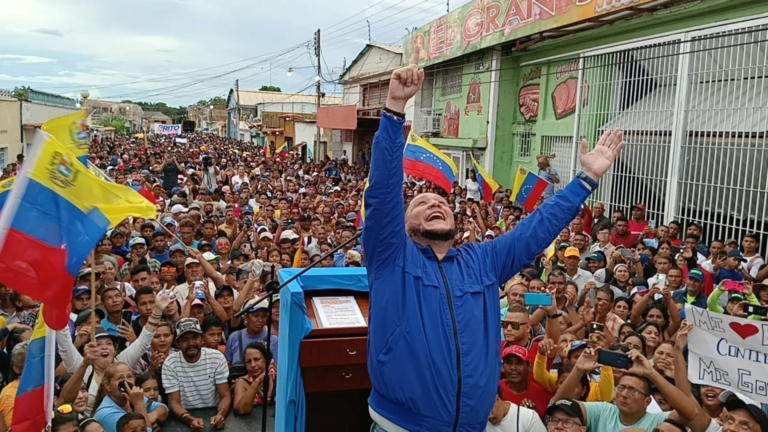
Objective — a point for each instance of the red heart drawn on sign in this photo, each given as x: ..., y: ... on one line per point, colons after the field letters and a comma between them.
x: 744, y: 330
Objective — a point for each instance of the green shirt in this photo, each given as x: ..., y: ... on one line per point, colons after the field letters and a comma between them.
x: 604, y: 417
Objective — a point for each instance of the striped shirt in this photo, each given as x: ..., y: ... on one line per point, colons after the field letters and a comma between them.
x: 196, y: 381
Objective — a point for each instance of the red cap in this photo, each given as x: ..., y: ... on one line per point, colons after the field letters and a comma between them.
x: 639, y: 206
x: 515, y: 350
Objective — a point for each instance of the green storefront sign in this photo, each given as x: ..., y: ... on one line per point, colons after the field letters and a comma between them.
x: 485, y: 23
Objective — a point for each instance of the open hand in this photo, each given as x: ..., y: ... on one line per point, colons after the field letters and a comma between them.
x: 597, y: 162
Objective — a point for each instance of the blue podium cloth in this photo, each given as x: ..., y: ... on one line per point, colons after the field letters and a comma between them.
x: 290, y: 409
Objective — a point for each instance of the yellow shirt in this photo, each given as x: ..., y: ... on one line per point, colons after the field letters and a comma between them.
x: 7, y: 399
x: 598, y: 392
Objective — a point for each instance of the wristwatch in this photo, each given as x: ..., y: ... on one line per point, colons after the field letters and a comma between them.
x: 557, y: 315
x: 396, y: 114
x: 587, y: 179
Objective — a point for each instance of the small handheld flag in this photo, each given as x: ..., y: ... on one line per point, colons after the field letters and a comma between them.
x: 487, y: 184
x: 423, y: 160
x: 528, y: 189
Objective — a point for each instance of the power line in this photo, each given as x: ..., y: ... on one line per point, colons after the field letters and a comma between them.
x: 352, y: 16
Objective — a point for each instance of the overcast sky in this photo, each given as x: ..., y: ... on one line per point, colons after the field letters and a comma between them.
x: 155, y: 50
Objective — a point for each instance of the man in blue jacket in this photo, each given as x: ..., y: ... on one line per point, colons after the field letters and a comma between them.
x: 433, y: 341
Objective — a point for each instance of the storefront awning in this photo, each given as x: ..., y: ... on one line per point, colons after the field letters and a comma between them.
x: 339, y: 117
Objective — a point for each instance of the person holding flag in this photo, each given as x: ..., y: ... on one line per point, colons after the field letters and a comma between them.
x: 480, y: 179
x: 438, y: 376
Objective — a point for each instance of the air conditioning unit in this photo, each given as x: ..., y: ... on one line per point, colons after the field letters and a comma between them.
x: 430, y: 122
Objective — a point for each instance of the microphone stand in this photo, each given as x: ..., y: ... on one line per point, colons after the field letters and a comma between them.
x: 273, y: 287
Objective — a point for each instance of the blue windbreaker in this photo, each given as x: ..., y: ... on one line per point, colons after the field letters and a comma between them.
x: 433, y: 339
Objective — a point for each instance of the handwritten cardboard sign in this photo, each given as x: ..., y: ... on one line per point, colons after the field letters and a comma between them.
x: 728, y: 352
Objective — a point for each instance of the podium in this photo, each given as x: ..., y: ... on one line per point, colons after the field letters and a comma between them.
x: 322, y: 380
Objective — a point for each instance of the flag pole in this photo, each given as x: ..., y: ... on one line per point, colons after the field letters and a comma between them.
x: 93, y: 295
x: 175, y: 236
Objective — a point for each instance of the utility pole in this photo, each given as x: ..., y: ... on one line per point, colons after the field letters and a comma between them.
x: 319, y: 94
x: 447, y: 6
x: 369, y: 31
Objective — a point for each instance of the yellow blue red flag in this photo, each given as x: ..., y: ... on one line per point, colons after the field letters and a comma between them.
x: 528, y: 189
x: 34, y: 397
x: 72, y: 132
x: 487, y: 184
x: 57, y: 212
x: 423, y: 160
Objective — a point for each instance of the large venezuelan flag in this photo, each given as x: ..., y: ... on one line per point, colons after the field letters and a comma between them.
x: 34, y: 398
x: 528, y: 189
x: 72, y: 132
x: 423, y: 160
x: 282, y: 151
x: 55, y: 215
x: 487, y: 184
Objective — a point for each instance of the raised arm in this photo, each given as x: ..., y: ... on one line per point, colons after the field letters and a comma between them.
x: 384, y: 232
x: 510, y: 252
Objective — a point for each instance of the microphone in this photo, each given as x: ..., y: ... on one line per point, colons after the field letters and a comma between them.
x: 274, y: 287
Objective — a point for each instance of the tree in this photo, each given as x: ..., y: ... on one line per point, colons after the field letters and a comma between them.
x: 20, y: 92
x: 218, y: 100
x: 117, y: 122
x: 270, y: 89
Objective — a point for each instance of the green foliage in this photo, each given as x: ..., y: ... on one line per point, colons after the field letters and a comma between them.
x: 117, y: 122
x: 20, y: 92
x: 177, y: 114
x: 270, y: 89
x: 213, y: 101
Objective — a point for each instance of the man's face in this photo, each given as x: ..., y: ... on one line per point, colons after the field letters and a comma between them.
x: 603, y: 303
x: 141, y: 280
x: 604, y: 235
x: 286, y: 247
x: 212, y: 338
x: 558, y: 283
x: 626, y: 401
x: 145, y: 304
x: 515, y: 368
x: 113, y: 301
x: 516, y: 328
x: 637, y: 214
x: 599, y: 210
x: 229, y: 216
x: 663, y: 265
x: 595, y: 265
x: 579, y: 242
x: 516, y: 294
x: 691, y: 243
x: 158, y: 243
x: 256, y: 321
x: 139, y: 250
x: 662, y: 233
x: 209, y: 230
x: 674, y: 230
x: 572, y: 262
x: 715, y: 248
x: 187, y: 235
x: 693, y: 229
x: 429, y: 217
x: 577, y: 225
x: 193, y: 271
x: 178, y: 257
x: 189, y: 344
x: 147, y: 232
x: 82, y: 302
x: 740, y: 420
x: 616, y: 215
x: 621, y: 227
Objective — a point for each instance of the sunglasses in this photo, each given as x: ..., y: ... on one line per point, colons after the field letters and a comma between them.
x: 167, y: 270
x: 514, y: 325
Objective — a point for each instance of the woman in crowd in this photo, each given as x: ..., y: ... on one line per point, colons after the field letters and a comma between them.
x: 249, y: 390
x: 101, y: 353
x: 91, y: 425
x: 653, y: 336
x: 118, y: 395
x: 161, y: 348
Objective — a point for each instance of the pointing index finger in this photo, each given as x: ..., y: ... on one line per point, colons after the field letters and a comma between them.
x: 415, y: 56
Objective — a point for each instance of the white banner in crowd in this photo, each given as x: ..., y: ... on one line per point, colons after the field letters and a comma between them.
x: 728, y: 352
x: 168, y: 129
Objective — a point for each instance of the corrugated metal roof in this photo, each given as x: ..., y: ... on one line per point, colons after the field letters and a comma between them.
x: 394, y: 48
x: 253, y: 98
x: 391, y: 48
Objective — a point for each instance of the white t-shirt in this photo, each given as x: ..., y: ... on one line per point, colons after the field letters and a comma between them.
x: 753, y: 264
x: 518, y: 419
x: 182, y: 291
x: 473, y: 190
x: 713, y: 427
x: 196, y: 381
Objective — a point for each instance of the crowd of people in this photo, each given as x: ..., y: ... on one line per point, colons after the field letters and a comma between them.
x: 166, y: 339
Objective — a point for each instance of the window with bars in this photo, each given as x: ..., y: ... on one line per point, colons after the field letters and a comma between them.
x: 523, y: 142
x: 348, y: 136
x: 450, y: 81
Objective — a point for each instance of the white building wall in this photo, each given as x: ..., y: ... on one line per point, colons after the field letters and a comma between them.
x: 306, y: 132
x: 295, y: 107
x: 32, y: 113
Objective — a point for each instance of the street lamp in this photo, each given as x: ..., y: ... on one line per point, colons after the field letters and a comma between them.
x: 290, y: 71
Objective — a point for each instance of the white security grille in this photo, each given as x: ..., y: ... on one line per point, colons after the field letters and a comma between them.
x: 523, y: 143
x: 694, y: 111
x: 560, y: 146
x: 450, y: 81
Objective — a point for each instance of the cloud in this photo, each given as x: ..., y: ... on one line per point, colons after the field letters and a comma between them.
x: 25, y: 59
x: 49, y: 32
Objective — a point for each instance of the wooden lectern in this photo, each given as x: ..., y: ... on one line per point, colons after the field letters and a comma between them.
x: 323, y: 382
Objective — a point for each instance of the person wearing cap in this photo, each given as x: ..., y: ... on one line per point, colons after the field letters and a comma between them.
x: 578, y: 275
x: 732, y: 270
x: 509, y: 417
x: 411, y: 261
x: 715, y: 302
x: 695, y: 229
x: 517, y: 387
x: 118, y: 244
x: 138, y: 257
x: 742, y: 414
x: 638, y: 226
x: 581, y: 242
x: 196, y: 377
x: 633, y: 396
x: 595, y: 261
x: 100, y: 354
x: 160, y: 250
x: 255, y: 331
x: 195, y: 268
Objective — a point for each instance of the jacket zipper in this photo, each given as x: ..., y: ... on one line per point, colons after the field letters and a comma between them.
x: 456, y: 344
